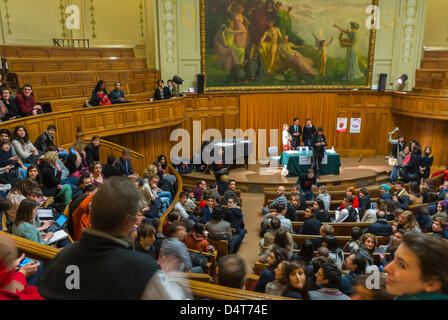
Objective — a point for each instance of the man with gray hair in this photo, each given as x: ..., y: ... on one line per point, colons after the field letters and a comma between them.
x: 381, y: 227
x: 103, y: 264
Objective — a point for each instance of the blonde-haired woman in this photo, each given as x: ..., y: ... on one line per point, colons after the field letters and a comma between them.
x: 407, y: 222
x: 51, y: 173
x: 149, y: 172
x: 76, y: 161
x: 286, y: 138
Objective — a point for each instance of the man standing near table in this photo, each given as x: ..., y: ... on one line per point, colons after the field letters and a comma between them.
x: 318, y: 143
x: 308, y: 133
x: 296, y: 131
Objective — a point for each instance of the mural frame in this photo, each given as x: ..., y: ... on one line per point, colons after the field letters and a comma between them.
x: 369, y: 73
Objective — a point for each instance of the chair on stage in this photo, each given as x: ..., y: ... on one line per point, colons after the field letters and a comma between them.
x: 273, y: 156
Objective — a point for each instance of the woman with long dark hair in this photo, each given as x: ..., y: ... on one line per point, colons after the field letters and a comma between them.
x: 23, y: 146
x: 100, y: 96
x: 8, y: 107
x: 276, y: 256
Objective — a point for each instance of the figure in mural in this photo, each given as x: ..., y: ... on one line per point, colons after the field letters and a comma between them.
x: 354, y: 57
x: 322, y: 48
x: 223, y: 46
x: 294, y: 59
x: 269, y: 5
x: 258, y: 25
x: 284, y: 19
x: 269, y: 45
x: 241, y: 35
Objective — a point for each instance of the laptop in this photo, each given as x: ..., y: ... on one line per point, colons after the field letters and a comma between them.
x: 59, y: 224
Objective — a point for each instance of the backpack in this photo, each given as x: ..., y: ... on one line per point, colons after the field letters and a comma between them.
x: 352, y: 214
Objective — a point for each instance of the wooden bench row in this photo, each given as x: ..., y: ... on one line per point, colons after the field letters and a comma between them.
x: 334, y: 204
x: 63, y: 78
x: 11, y: 51
x: 47, y: 65
x: 49, y: 93
x: 299, y: 239
x: 78, y: 103
x: 186, y: 185
x: 340, y: 229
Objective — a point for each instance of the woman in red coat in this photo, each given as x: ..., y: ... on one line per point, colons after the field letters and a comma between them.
x: 13, y: 285
x: 196, y: 239
x: 349, y: 193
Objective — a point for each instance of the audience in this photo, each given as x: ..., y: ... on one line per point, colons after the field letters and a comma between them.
x: 322, y: 213
x: 353, y: 244
x: 407, y: 222
x: 76, y: 161
x: 328, y: 278
x: 117, y: 95
x: 92, y: 150
x: 196, y: 240
x: 96, y: 169
x: 325, y: 197
x: 276, y: 256
x: 285, y: 222
x: 356, y: 263
x: 348, y: 214
x: 13, y: 280
x: 146, y: 236
x: 360, y: 291
x: 124, y: 164
x: 415, y: 196
x: 114, y: 210
x: 26, y: 103
x: 159, y: 93
x: 384, y: 190
x: 235, y: 216
x: 401, y: 197
x: 51, y: 179
x: 312, y: 224
x: 27, y: 152
x: 8, y: 106
x: 201, y: 186
x: 219, y: 229
x: 350, y: 192
x: 297, y: 280
x: 99, y: 96
x: 280, y: 201
x: 230, y: 193
x: 381, y: 227
x: 306, y: 183
x: 109, y: 169
x: 364, y: 200
x: 231, y: 271
x: 45, y: 140
x: 24, y: 223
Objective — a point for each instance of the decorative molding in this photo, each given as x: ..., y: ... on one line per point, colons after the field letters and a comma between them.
x: 92, y: 19
x: 186, y: 22
x: 409, y: 30
x: 169, y: 30
x: 62, y: 21
x: 7, y: 16
x: 142, y: 21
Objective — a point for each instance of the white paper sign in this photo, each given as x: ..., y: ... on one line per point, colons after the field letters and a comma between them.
x: 304, y: 160
x: 355, y: 125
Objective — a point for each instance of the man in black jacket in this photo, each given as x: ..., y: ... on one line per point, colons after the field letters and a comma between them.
x: 401, y: 196
x: 45, y: 140
x: 92, y: 150
x: 311, y: 225
x: 296, y: 131
x: 235, y: 217
x: 381, y: 227
x: 319, y: 143
x: 83, y: 270
x: 364, y: 200
x: 308, y: 133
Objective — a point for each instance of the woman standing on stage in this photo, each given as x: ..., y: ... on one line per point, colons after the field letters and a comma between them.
x: 286, y: 137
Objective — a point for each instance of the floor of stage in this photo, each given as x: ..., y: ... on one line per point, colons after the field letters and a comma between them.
x: 351, y: 168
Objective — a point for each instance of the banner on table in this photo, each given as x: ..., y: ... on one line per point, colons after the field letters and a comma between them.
x: 355, y: 125
x: 306, y: 160
x: 342, y: 125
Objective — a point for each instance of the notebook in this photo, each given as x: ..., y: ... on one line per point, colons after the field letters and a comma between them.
x: 57, y: 236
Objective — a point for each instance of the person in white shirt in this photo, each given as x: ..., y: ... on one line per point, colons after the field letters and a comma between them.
x: 180, y: 205
x: 286, y: 137
x: 348, y: 214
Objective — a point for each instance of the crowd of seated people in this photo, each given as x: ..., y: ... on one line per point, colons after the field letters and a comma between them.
x: 163, y: 92
x: 412, y: 164
x: 101, y: 97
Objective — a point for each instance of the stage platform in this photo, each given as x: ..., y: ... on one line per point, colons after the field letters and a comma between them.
x: 260, y: 178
